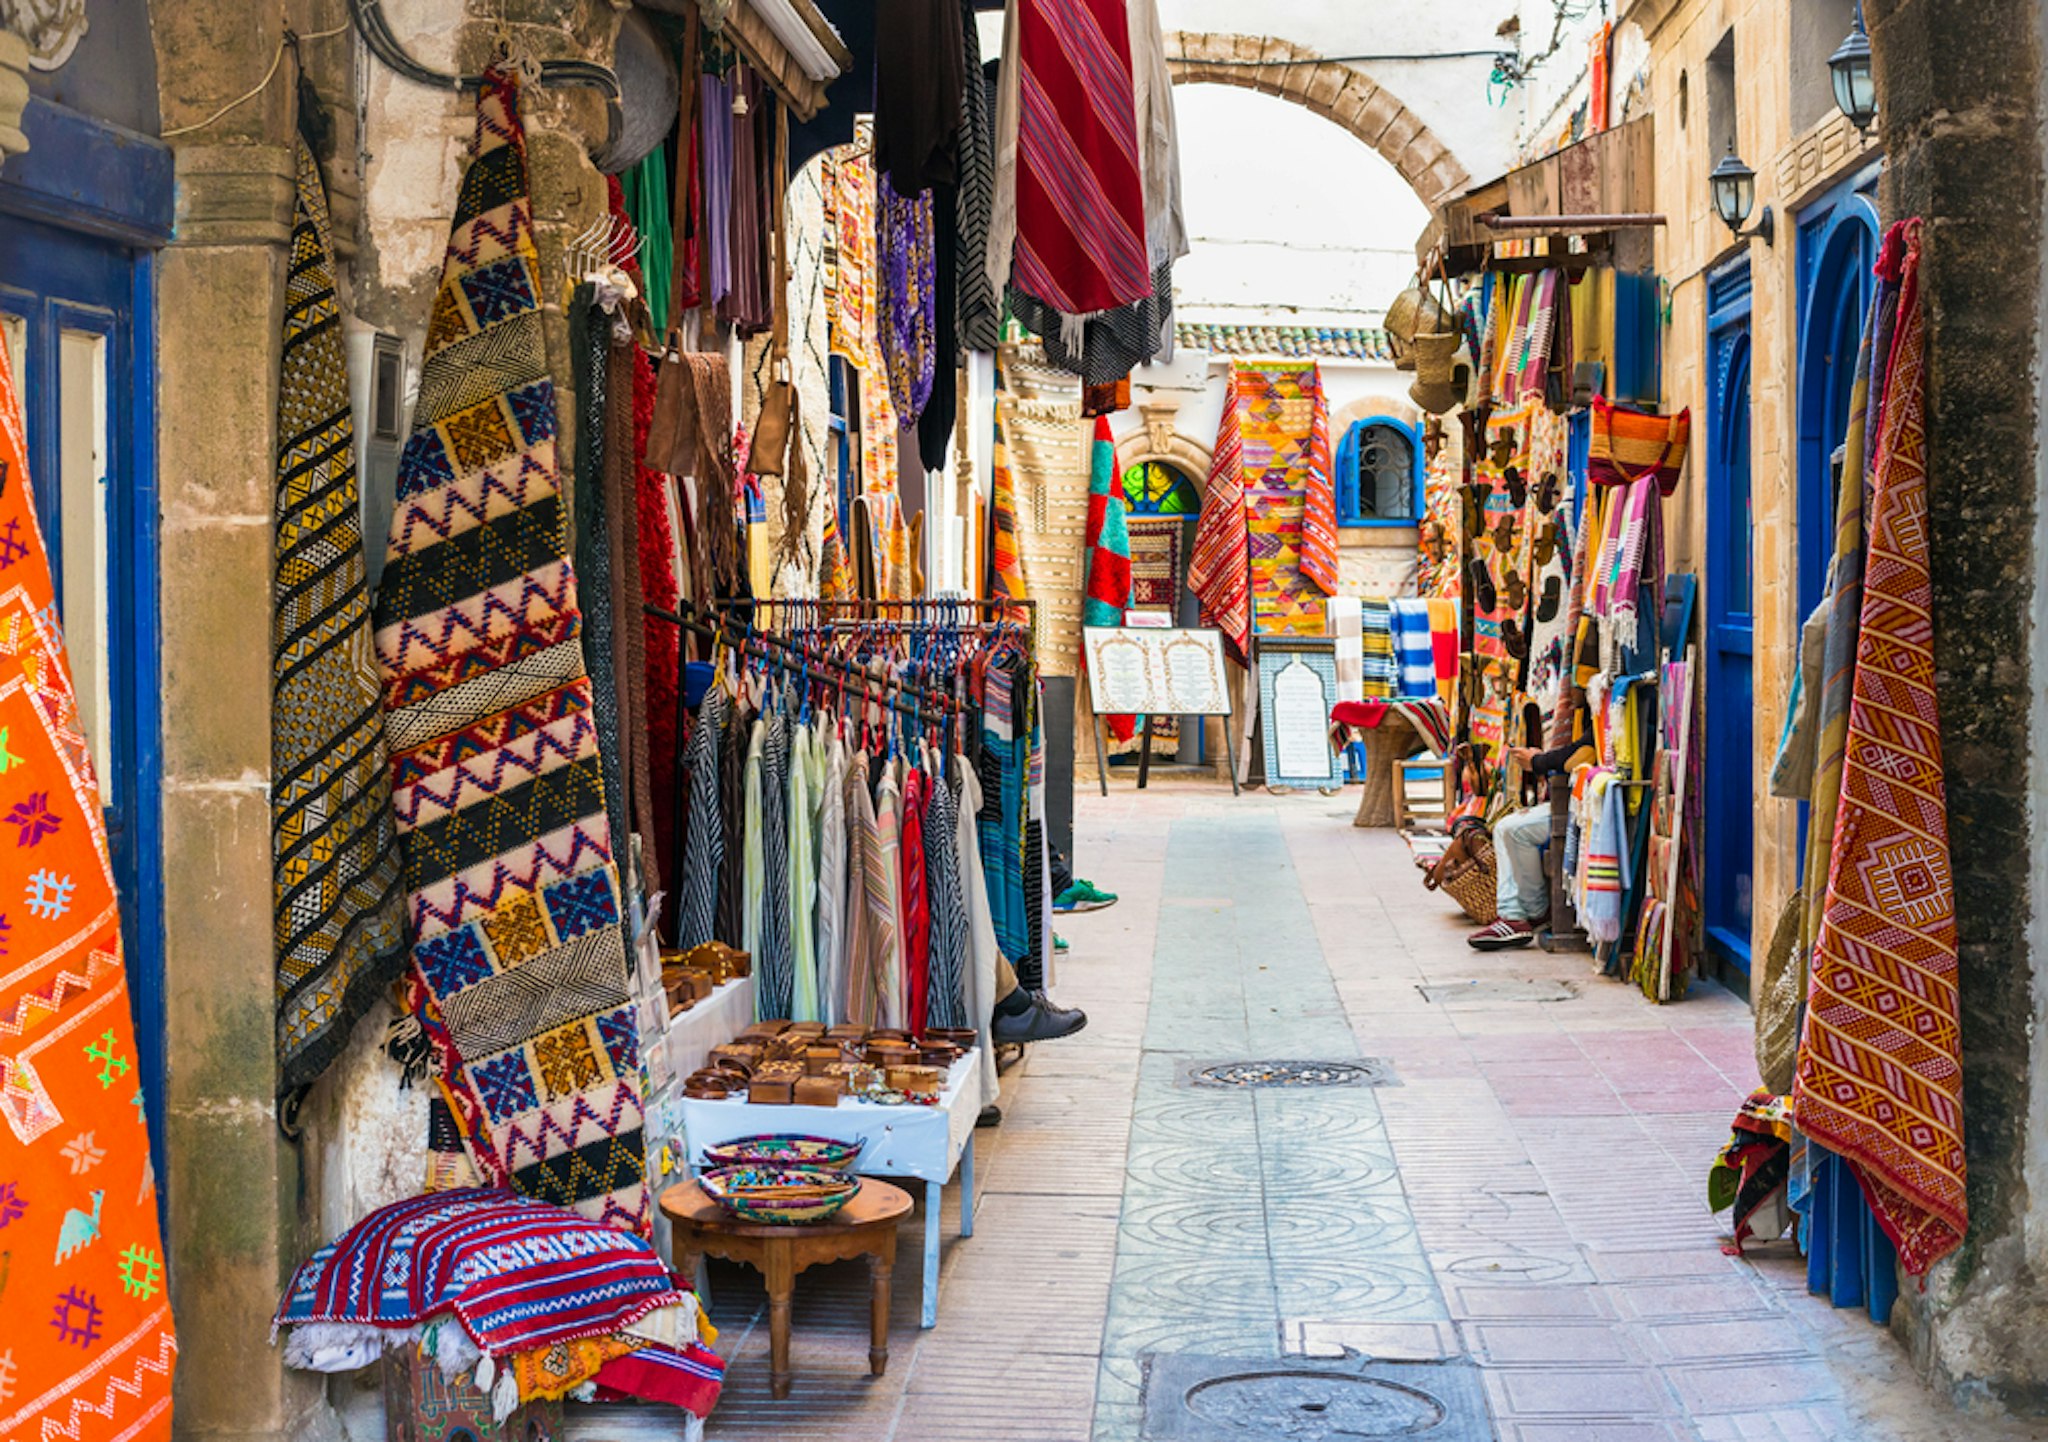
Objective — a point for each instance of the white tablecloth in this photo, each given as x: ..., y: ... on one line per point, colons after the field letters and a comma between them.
x: 711, y: 1022
x: 901, y: 1141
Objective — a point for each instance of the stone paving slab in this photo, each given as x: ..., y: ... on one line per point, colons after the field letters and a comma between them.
x: 1530, y: 1197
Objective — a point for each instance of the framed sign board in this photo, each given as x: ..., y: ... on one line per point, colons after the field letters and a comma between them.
x: 1297, y: 687
x: 1155, y: 671
x: 1147, y: 670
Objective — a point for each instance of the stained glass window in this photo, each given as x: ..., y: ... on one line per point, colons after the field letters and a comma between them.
x: 1154, y: 488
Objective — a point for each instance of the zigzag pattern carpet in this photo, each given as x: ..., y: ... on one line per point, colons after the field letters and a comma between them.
x: 513, y: 899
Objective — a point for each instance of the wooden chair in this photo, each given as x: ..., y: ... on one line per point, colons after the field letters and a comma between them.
x: 1422, y: 794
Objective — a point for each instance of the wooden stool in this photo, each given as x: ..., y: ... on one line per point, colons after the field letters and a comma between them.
x: 864, y: 1227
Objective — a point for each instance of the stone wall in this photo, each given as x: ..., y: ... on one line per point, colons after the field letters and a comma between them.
x: 1960, y: 89
x: 245, y: 1204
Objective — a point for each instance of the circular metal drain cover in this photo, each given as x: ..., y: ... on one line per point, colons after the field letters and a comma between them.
x: 1315, y: 1407
x: 1288, y: 1074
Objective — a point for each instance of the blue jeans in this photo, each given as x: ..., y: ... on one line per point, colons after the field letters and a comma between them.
x: 1521, y: 889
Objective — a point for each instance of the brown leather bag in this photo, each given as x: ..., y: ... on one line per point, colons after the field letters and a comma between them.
x: 768, y: 452
x: 672, y: 434
x: 1466, y: 872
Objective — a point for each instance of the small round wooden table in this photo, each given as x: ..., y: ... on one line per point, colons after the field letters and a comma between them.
x: 864, y: 1227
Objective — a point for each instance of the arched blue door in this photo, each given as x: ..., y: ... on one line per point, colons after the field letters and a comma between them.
x: 1730, y: 626
x: 1837, y: 247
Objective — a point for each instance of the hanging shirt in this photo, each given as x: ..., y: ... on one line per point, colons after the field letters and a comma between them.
x: 864, y: 897
x: 756, y: 873
x: 774, y: 972
x: 885, y: 900
x: 703, y: 833
x: 832, y: 874
x: 915, y: 901
x: 806, y: 775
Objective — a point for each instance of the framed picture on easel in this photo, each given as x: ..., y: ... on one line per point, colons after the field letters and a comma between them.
x: 1297, y: 687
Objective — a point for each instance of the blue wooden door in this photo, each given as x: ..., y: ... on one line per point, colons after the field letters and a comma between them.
x: 1729, y: 629
x: 1837, y: 247
x: 74, y: 312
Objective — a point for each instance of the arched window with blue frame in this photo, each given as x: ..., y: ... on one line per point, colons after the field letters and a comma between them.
x: 1379, y: 473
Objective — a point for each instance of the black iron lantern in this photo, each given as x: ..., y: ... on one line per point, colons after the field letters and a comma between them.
x: 1734, y: 189
x: 1849, y: 72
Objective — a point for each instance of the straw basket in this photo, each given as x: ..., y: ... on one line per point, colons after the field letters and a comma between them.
x: 778, y: 1195
x: 1466, y: 873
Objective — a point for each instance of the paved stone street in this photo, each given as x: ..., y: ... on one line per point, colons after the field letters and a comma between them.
x: 1516, y: 1228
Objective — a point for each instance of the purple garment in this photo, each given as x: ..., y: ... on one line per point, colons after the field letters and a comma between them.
x: 750, y: 305
x: 715, y: 123
x: 905, y: 254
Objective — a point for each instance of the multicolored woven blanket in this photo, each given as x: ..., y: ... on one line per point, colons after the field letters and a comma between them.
x: 513, y: 899
x: 87, y: 1347
x: 338, y: 898
x: 1880, y: 1065
x: 516, y: 1273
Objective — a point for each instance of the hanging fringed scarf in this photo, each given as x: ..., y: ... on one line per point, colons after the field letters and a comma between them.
x: 1106, y: 586
x: 1319, y: 521
x: 1880, y: 1065
x: 339, y: 899
x: 1220, y: 570
x: 514, y: 908
x: 1006, y: 551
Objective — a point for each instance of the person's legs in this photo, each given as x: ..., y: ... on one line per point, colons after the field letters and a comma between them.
x: 1521, y: 887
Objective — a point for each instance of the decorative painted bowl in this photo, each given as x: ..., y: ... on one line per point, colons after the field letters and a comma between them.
x: 784, y: 1149
x: 779, y: 1195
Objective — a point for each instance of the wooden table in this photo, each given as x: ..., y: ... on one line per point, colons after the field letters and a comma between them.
x: 864, y: 1227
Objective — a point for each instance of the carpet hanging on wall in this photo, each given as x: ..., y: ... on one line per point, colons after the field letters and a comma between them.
x: 88, y: 1340
x: 338, y: 894
x: 518, y: 954
x: 1880, y: 1065
x: 1278, y: 407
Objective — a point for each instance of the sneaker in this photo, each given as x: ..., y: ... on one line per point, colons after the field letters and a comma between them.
x: 1059, y: 943
x: 991, y: 1116
x: 1083, y: 896
x: 1502, y: 934
x: 1041, y: 1021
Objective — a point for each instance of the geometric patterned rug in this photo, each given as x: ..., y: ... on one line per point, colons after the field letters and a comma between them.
x: 519, y: 959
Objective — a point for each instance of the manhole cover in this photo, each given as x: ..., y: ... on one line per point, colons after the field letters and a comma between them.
x: 1194, y: 1398
x: 1489, y: 992
x: 1368, y: 1071
x: 1294, y: 1404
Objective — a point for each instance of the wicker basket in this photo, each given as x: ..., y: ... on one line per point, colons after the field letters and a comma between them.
x: 1466, y: 873
x: 779, y: 1195
x: 784, y: 1149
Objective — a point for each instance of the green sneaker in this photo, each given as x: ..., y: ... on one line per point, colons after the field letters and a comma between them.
x: 1083, y: 896
x: 1059, y: 943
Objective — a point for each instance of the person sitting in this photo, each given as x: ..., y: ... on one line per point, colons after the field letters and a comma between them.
x: 1520, y: 839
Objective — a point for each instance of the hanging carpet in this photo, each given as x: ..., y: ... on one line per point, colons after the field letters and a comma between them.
x: 1277, y: 421
x: 1220, y: 569
x: 1155, y: 563
x: 1880, y: 1066
x: 513, y: 907
x: 89, y: 1346
x: 338, y: 899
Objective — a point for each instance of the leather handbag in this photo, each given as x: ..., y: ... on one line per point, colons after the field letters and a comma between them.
x: 1466, y: 872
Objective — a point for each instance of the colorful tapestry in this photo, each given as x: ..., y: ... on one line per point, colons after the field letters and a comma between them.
x: 1880, y: 1064
x: 337, y: 897
x: 1080, y: 203
x: 1006, y: 558
x: 1380, y: 677
x: 1155, y: 563
x: 1047, y: 445
x: 1414, y: 652
x: 905, y: 257
x: 89, y: 1346
x: 1319, y: 516
x: 514, y: 910
x: 1277, y: 405
x: 850, y: 198
x: 1108, y: 584
x: 516, y: 1273
x: 1546, y: 522
x: 1500, y: 544
x: 1219, y: 572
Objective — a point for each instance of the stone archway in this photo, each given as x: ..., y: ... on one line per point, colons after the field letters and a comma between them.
x: 1338, y: 92
x: 1157, y: 440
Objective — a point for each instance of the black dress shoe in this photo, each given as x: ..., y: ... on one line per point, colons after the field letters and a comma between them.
x: 991, y: 1116
x: 1040, y: 1021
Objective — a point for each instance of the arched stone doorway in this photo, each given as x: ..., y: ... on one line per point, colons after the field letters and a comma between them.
x: 1346, y: 96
